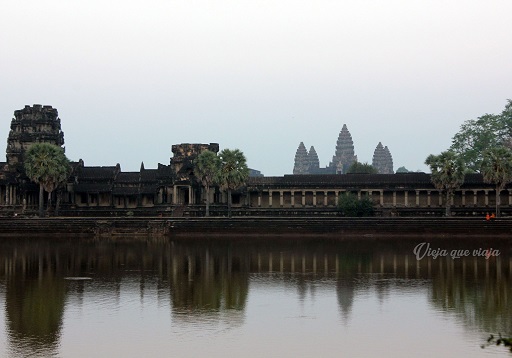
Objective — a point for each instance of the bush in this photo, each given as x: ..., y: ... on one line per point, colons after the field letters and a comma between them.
x: 350, y: 205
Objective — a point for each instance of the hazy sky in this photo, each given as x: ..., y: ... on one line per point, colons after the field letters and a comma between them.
x: 131, y: 78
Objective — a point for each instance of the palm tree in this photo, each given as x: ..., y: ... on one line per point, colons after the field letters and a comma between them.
x: 233, y: 171
x: 47, y: 165
x: 207, y: 171
x: 496, y: 168
x: 448, y: 171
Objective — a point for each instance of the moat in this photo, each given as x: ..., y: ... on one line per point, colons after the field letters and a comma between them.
x: 277, y: 297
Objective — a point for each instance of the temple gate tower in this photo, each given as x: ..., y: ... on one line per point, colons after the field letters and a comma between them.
x: 344, y: 155
x: 36, y: 124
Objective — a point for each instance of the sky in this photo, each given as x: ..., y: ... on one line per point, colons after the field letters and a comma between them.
x: 131, y: 78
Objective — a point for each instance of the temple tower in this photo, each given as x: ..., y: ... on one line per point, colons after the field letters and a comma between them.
x: 344, y: 155
x: 301, y: 165
x: 31, y: 125
x: 382, y: 160
x: 313, y: 162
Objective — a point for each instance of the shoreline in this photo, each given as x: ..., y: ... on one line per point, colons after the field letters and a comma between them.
x: 340, y: 227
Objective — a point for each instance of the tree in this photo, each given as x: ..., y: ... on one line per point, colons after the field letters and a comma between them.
x: 361, y: 168
x: 448, y: 172
x: 487, y: 131
x: 233, y: 171
x: 47, y: 165
x: 207, y: 171
x: 351, y: 205
x: 497, y: 169
x: 402, y: 170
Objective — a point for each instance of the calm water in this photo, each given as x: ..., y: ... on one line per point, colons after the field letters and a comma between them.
x: 252, y: 298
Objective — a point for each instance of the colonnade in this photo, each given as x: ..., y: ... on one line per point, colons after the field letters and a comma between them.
x: 299, y: 197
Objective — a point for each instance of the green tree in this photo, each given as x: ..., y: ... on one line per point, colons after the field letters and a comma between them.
x: 207, y: 171
x: 402, y: 170
x: 448, y: 171
x: 351, y: 205
x: 361, y: 168
x: 47, y: 165
x: 233, y: 171
x: 487, y: 131
x: 497, y: 169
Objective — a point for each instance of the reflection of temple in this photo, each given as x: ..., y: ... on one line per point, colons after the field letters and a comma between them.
x: 173, y: 189
x: 205, y: 280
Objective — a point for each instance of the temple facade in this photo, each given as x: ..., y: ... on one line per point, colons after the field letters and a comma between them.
x: 173, y: 190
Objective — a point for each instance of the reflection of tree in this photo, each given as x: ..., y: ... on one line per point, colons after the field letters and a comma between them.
x: 481, y: 300
x: 34, y: 308
x: 208, y: 282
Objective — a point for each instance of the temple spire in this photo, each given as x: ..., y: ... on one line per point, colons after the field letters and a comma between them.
x: 344, y: 155
x: 301, y: 165
x: 382, y: 160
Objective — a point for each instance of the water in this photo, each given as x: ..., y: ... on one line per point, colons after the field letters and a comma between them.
x: 253, y: 298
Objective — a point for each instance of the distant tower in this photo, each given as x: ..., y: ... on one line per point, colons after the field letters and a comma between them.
x: 32, y: 125
x: 301, y: 165
x: 382, y: 160
x: 313, y: 162
x: 344, y: 155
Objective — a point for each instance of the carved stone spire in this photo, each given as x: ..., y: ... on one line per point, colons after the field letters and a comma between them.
x: 301, y: 165
x: 313, y: 161
x: 32, y: 125
x: 344, y: 155
x: 382, y: 160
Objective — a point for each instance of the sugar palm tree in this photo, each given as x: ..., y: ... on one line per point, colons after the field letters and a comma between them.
x: 207, y: 171
x: 47, y: 165
x: 448, y: 171
x: 233, y: 171
x: 496, y: 168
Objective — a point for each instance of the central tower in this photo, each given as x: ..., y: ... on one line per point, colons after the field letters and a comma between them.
x: 344, y: 155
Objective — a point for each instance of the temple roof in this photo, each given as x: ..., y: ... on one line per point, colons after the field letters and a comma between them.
x: 92, y: 188
x: 128, y: 177
x: 97, y: 172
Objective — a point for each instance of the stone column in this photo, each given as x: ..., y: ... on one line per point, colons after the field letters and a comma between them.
x: 270, y: 198
x: 281, y: 199
x: 509, y: 197
x: 314, y: 197
x: 293, y: 198
x: 463, y: 194
x: 428, y: 198
x: 440, y: 197
x: 381, y: 197
x: 486, y: 197
x: 336, y: 194
x: 190, y: 202
x: 259, y: 199
x: 303, y: 198
x: 417, y: 198
x: 475, y: 197
x: 326, y: 194
x: 406, y: 198
x: 394, y: 199
x: 174, y: 196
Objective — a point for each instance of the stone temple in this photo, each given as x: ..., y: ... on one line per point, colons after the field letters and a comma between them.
x: 173, y: 189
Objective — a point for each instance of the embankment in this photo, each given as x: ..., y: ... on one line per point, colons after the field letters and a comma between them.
x: 258, y: 226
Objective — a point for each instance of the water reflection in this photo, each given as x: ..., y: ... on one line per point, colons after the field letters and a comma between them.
x: 204, y: 280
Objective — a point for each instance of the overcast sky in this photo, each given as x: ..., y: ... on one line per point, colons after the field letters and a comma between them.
x: 131, y: 78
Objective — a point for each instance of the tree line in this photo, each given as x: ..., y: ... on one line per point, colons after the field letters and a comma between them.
x: 482, y: 145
